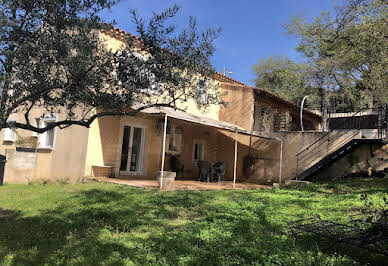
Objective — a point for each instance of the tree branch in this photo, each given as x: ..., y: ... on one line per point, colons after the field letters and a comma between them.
x: 84, y: 123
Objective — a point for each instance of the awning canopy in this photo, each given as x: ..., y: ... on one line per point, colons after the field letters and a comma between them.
x: 177, y: 114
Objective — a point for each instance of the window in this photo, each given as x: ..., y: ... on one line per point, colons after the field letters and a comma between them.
x: 132, y: 150
x: 145, y: 72
x: 198, y: 150
x: 266, y: 118
x: 10, y: 133
x: 280, y: 121
x: 47, y: 139
x: 174, y: 140
x: 202, y: 93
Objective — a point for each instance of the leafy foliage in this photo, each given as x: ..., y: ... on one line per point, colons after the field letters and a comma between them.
x: 375, y: 212
x: 349, y: 50
x: 283, y: 77
x: 53, y: 59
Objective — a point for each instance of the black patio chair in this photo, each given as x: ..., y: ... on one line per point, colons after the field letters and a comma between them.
x: 176, y: 165
x: 219, y: 170
x: 205, y: 170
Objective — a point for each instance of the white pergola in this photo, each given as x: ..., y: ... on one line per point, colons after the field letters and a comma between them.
x: 180, y: 115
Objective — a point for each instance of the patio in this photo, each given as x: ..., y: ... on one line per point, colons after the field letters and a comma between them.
x: 181, y: 184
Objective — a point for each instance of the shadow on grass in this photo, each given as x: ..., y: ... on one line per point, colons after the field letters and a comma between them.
x: 95, y: 227
x: 348, y: 186
x: 326, y: 245
x: 6, y: 215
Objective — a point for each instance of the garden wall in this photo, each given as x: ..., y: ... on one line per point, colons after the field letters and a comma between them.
x: 293, y: 143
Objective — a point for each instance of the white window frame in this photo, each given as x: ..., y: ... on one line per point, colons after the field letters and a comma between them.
x: 141, y: 162
x: 202, y: 155
x: 202, y: 91
x: 173, y: 135
x: 43, y: 136
x: 10, y: 134
x: 156, y: 88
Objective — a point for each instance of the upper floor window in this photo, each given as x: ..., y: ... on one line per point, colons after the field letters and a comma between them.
x: 198, y: 150
x: 47, y: 139
x: 174, y: 140
x: 264, y: 118
x: 202, y: 91
x: 135, y: 62
x: 10, y: 133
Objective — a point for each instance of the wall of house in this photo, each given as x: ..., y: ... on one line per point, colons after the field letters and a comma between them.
x: 66, y: 160
x: 240, y: 105
x: 266, y: 122
x: 152, y: 145
x: 219, y: 147
x: 266, y: 154
x: 105, y: 144
x: 102, y: 144
x: 111, y: 43
x: 293, y: 143
x: 263, y: 117
x: 265, y: 151
x: 212, y: 111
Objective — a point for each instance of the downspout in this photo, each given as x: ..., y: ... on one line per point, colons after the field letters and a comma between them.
x: 301, y: 112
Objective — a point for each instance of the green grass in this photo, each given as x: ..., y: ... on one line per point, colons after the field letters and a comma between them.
x: 104, y: 224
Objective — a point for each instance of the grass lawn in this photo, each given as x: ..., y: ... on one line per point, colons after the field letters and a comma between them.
x: 94, y: 224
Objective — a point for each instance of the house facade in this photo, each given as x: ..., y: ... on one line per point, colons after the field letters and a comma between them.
x: 131, y: 147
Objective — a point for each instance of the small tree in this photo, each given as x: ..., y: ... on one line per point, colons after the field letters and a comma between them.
x: 51, y: 58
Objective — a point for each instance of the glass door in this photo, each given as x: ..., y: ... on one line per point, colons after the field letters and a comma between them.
x: 132, y: 150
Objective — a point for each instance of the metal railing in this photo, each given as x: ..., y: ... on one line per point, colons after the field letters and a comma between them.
x: 335, y: 139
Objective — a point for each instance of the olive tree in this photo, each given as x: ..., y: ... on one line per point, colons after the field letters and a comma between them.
x: 52, y: 59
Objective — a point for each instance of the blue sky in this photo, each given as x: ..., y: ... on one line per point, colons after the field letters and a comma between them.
x: 251, y: 29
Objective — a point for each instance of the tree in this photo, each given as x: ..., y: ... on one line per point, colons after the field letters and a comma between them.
x: 349, y: 49
x: 284, y: 77
x: 51, y: 58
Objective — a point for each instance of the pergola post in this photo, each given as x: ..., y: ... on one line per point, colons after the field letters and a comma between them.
x: 235, y: 161
x: 163, y: 151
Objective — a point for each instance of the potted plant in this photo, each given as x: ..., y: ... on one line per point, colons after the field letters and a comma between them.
x: 28, y: 144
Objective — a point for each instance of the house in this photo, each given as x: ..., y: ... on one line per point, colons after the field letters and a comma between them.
x: 268, y: 114
x: 253, y: 124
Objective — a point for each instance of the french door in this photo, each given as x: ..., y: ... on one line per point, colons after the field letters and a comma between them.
x: 132, y: 150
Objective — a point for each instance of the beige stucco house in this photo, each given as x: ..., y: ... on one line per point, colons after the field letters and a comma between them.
x: 131, y: 147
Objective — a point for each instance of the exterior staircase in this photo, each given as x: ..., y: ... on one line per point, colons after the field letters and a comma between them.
x: 337, y: 143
